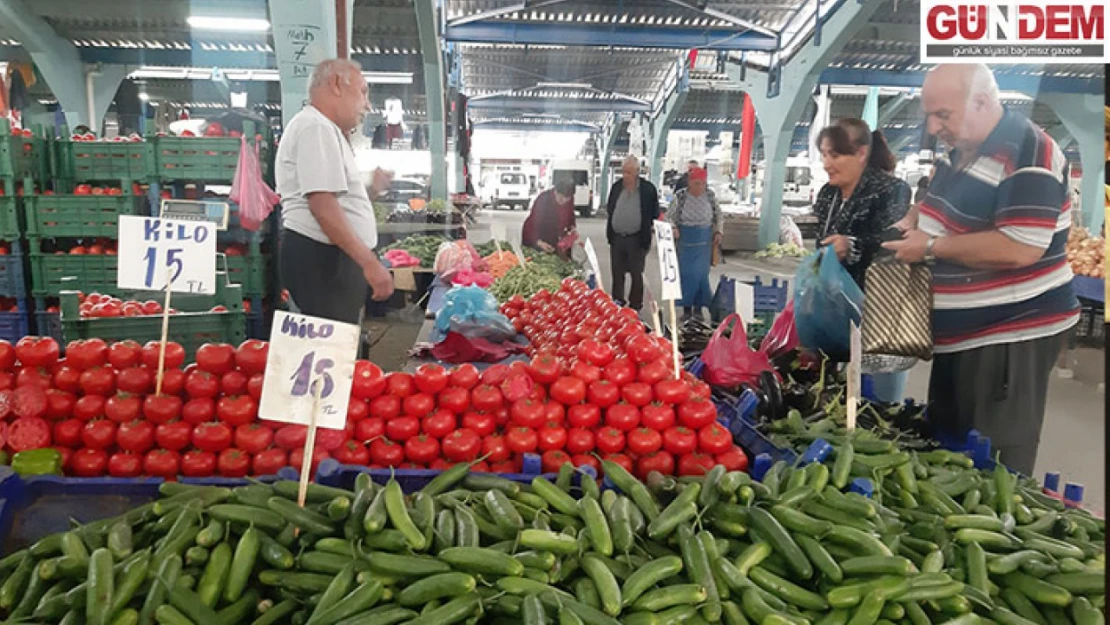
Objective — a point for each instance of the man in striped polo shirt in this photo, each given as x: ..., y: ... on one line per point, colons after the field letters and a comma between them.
x: 993, y: 226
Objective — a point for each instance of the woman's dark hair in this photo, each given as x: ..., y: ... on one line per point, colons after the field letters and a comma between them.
x: 564, y: 186
x: 848, y: 135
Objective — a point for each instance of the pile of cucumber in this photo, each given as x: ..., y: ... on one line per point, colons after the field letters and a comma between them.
x: 939, y: 543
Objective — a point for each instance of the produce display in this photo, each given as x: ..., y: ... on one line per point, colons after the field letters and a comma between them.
x: 500, y: 263
x: 424, y: 247
x: 96, y: 305
x: 1086, y: 253
x: 781, y: 250
x: 541, y: 272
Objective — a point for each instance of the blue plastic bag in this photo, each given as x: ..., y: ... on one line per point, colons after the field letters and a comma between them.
x: 826, y: 301
x: 473, y: 312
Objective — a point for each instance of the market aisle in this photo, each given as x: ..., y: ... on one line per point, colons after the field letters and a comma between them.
x: 1073, y: 439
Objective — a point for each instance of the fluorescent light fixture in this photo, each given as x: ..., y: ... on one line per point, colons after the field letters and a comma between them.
x: 262, y: 75
x: 235, y: 24
x: 144, y: 96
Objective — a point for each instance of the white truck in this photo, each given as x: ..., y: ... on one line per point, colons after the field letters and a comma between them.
x: 506, y: 188
x: 582, y: 174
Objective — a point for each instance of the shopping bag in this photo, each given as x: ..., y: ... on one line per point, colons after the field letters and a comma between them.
x: 782, y: 338
x: 723, y: 303
x: 730, y: 361
x: 897, y: 311
x: 255, y: 198
x: 826, y: 301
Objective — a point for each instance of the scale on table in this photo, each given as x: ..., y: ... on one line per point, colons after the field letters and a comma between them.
x: 197, y: 210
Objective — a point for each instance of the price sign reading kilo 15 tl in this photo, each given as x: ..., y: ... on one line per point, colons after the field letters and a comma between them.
x: 148, y: 246
x: 304, y: 352
x: 668, y: 261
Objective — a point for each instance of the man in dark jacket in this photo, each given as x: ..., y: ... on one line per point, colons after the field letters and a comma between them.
x: 633, y: 205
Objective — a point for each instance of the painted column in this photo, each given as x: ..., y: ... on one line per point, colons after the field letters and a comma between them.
x: 304, y: 35
x: 1083, y: 117
x: 428, y: 26
x: 871, y: 108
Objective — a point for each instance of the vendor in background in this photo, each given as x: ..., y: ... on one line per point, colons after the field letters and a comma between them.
x: 632, y: 206
x: 328, y: 230
x: 696, y: 220
x: 861, y: 200
x: 551, y: 219
x: 683, y: 181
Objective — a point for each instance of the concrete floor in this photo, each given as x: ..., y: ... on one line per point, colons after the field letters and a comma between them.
x: 1073, y: 438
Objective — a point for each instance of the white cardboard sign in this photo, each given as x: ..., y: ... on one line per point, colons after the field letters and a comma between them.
x: 745, y: 301
x: 150, y: 245
x: 304, y: 352
x: 668, y: 261
x: 854, y: 381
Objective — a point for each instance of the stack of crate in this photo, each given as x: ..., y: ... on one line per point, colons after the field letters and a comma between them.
x: 24, y: 165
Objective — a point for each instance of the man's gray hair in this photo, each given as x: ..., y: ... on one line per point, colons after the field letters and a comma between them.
x: 981, y: 80
x: 323, y: 73
x: 631, y: 160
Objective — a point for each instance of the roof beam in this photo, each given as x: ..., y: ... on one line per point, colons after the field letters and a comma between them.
x: 732, y: 19
x: 890, y: 31
x: 620, y: 35
x: 523, y: 5
x: 583, y: 105
x: 891, y: 108
x: 1027, y: 84
x: 561, y: 126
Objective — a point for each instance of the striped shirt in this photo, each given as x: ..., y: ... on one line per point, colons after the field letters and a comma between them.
x: 1017, y: 185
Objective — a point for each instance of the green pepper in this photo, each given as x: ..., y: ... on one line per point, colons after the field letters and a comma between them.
x: 45, y: 461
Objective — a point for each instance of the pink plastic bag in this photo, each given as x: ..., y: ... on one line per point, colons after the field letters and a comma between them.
x: 730, y: 362
x: 255, y: 198
x: 783, y: 335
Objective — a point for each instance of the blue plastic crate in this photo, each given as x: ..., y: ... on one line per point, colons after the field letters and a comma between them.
x: 770, y: 297
x: 738, y: 420
x: 48, y: 324
x: 14, y: 325
x: 12, y: 282
x: 332, y: 473
x: 39, y: 506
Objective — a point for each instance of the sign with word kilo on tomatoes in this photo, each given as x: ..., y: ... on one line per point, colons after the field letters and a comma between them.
x: 153, y: 250
x: 309, y: 354
x: 668, y: 261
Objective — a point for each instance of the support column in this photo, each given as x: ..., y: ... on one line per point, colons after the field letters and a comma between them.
x: 891, y: 108
x: 105, y: 81
x: 611, y: 131
x: 54, y: 57
x: 304, y: 35
x: 661, y: 123
x: 780, y: 97
x: 454, y: 86
x: 871, y: 108
x: 1083, y: 115
x: 428, y: 26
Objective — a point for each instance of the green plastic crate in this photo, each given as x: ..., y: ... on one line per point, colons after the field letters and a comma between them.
x: 78, y: 215
x: 22, y: 156
x: 95, y: 273
x: 83, y: 161
x: 201, y: 159
x: 190, y: 329
x: 10, y: 213
x: 248, y: 271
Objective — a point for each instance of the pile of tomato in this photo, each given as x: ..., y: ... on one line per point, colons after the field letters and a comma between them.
x: 96, y: 305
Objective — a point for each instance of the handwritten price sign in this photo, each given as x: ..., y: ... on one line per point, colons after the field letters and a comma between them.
x: 668, y: 261
x: 309, y: 356
x: 153, y: 249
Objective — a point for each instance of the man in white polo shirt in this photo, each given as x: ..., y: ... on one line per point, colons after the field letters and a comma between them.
x: 328, y: 230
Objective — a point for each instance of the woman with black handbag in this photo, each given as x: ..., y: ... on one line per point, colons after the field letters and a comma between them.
x: 860, y: 202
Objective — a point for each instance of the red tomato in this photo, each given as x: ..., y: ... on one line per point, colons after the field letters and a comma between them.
x: 584, y: 416
x: 99, y: 434
x: 35, y: 376
x: 98, y: 381
x: 175, y: 355
x: 291, y: 437
x: 697, y: 413
x: 197, y: 411
x: 269, y: 462
x: 175, y: 436
x: 30, y: 401
x: 386, y: 453
x: 620, y: 372
x: 441, y: 464
x: 465, y: 376
x: 636, y: 393
x: 38, y: 351
x: 680, y: 440
x: 733, y: 460
x: 66, y: 433
x: 624, y: 417
x: 352, y: 452
x: 568, y: 391
x: 400, y: 384
x: 674, y: 392
x: 402, y: 428
x: 216, y: 358
x: 431, y: 378
x: 495, y: 449
x: 553, y: 459
x: 213, y: 437
x: 603, y: 393
x: 621, y: 459
x: 253, y: 438
x: 517, y: 386
x: 527, y: 413
x: 28, y: 433
x: 586, y: 372
x: 439, y: 424
x: 584, y: 460
x: 233, y: 383
x: 123, y: 464
x: 455, y: 399
x: 197, y: 463
x: 161, y: 408
x: 482, y: 423
x: 89, y: 462
x: 136, y: 380
x: 89, y: 407
x: 7, y: 356
x: 654, y: 372
x: 330, y: 439
x: 250, y: 356
x: 552, y: 436
x: 368, y: 382
x: 643, y: 441
x: 161, y: 463
x: 123, y: 354
x: 173, y: 382
x: 556, y: 412
x: 86, y: 354
x: 421, y: 449
x: 123, y: 407
x: 595, y: 353
x: 660, y: 461
x: 199, y: 383
x: 485, y: 398
x: 522, y: 440
x: 418, y: 405
x: 369, y: 429
x: 385, y: 407
x: 714, y: 439
x: 610, y: 440
x: 462, y: 445
x: 236, y: 410
x: 695, y: 464
x: 357, y: 410
x: 699, y: 389
x: 67, y: 379
x: 296, y: 459
x: 544, y: 369
x: 136, y: 436
x: 580, y: 440
x: 254, y: 386
x: 495, y: 374
x: 233, y: 463
x: 643, y: 349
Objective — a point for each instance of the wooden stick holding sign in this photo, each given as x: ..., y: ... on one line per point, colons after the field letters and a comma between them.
x: 671, y: 283
x: 165, y: 332
x: 854, y: 374
x: 309, y: 447
x: 656, y: 322
x: 591, y: 255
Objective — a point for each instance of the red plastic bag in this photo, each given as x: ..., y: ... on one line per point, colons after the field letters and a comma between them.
x: 255, y: 198
x: 783, y: 336
x: 730, y: 362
